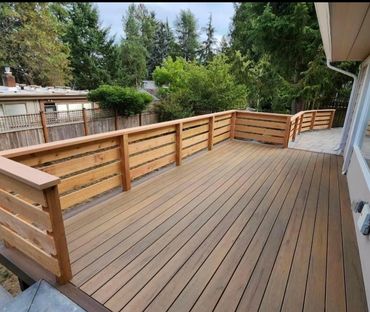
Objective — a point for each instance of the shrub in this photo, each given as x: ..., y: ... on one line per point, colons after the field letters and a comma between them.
x: 192, y: 88
x: 126, y: 101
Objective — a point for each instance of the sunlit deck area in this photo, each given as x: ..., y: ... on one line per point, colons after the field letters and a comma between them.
x: 245, y: 227
x: 236, y: 222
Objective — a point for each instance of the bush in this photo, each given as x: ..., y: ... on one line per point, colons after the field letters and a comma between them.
x: 191, y: 88
x: 168, y: 109
x: 126, y: 101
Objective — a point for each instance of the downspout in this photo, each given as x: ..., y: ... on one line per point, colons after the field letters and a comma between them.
x: 349, y: 114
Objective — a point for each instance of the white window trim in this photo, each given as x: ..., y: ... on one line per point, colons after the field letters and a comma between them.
x: 362, y: 121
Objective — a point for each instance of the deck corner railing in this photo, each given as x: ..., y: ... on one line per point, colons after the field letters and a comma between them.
x: 311, y: 120
x: 31, y: 217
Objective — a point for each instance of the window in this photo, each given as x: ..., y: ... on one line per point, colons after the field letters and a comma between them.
x: 50, y: 107
x: 15, y: 109
x: 363, y: 141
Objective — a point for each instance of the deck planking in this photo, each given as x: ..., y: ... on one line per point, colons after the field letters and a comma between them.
x: 244, y: 227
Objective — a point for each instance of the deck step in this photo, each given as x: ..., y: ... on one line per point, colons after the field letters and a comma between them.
x: 5, y: 297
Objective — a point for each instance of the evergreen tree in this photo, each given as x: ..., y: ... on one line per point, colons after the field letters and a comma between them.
x: 133, y: 51
x: 284, y: 38
x: 207, y: 52
x: 186, y: 30
x: 30, y: 43
x: 93, y: 55
x: 163, y: 42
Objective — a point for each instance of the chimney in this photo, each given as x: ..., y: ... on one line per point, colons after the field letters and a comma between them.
x: 8, y: 78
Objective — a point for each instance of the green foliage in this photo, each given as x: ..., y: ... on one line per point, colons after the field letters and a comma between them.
x: 207, y: 52
x: 30, y: 43
x: 189, y: 88
x: 186, y: 30
x: 93, y: 55
x: 162, y: 46
x: 286, y: 65
x: 140, y: 27
x: 170, y: 109
x: 124, y: 100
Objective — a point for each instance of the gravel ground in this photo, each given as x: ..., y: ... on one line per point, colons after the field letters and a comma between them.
x: 9, y: 281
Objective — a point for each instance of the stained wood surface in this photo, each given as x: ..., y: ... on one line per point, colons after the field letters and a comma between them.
x: 244, y: 227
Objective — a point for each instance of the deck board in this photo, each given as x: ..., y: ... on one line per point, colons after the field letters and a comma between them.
x: 245, y: 227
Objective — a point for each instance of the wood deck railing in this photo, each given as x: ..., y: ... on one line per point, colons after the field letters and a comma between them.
x: 30, y: 216
x: 79, y: 169
x: 311, y: 120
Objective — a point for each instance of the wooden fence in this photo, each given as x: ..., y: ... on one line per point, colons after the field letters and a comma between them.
x: 31, y: 129
x: 89, y: 166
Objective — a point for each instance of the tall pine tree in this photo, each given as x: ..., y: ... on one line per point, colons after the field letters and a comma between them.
x: 93, y: 53
x: 186, y: 30
x: 134, y: 53
x: 162, y: 47
x: 207, y: 52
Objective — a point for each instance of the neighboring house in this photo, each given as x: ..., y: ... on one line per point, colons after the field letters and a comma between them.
x: 345, y: 30
x: 16, y: 99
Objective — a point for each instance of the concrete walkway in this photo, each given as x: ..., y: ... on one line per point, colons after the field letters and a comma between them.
x: 322, y: 141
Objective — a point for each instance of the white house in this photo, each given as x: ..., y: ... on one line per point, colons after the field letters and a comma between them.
x: 345, y: 32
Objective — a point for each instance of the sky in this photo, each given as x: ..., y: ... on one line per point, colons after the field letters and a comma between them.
x: 222, y: 12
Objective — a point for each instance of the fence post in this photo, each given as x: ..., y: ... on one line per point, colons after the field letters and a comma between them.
x: 53, y: 206
x: 179, y: 144
x: 331, y: 119
x: 125, y: 166
x: 140, y: 121
x: 313, y: 120
x: 44, y: 126
x: 115, y: 120
x: 84, y: 117
x: 211, y: 127
x: 232, y: 126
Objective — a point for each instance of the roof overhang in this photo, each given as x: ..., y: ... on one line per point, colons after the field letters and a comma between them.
x: 345, y: 30
x: 34, y: 97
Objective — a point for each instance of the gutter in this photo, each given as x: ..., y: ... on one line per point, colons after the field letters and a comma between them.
x: 347, y: 121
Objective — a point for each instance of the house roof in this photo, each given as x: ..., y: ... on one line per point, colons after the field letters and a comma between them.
x: 36, y: 92
x: 344, y: 28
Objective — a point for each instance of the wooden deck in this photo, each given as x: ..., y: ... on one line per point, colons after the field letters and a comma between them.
x: 244, y: 227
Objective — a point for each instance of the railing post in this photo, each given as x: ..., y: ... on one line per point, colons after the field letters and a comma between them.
x: 179, y: 144
x: 287, y: 131
x: 232, y: 126
x: 44, y: 126
x: 84, y: 117
x: 125, y: 166
x: 295, y: 129
x: 313, y: 120
x: 331, y: 119
x: 211, y: 127
x: 53, y: 207
x: 300, y: 124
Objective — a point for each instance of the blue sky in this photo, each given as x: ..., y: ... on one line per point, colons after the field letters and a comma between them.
x: 111, y: 14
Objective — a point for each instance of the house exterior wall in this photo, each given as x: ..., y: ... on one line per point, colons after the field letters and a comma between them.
x: 358, y: 173
x: 359, y: 189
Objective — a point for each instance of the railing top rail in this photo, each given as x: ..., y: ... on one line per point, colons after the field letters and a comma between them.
x: 95, y: 137
x: 311, y: 111
x: 35, y: 178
